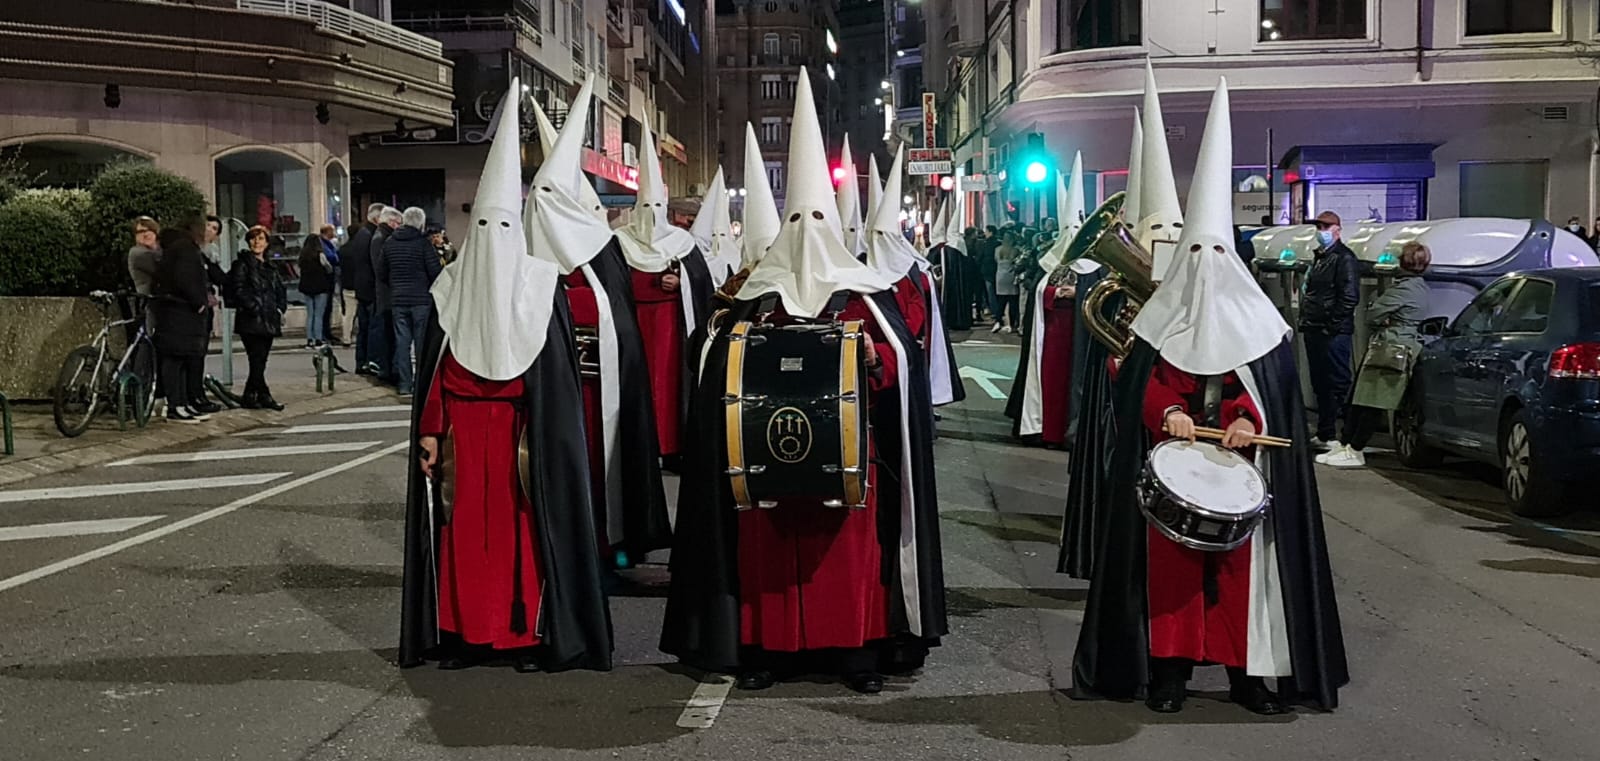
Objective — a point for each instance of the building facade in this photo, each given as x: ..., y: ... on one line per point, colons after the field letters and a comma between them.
x: 865, y: 87
x: 761, y: 46
x: 1393, y: 110
x: 258, y: 109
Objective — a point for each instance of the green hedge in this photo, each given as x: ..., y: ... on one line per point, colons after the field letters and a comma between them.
x: 123, y: 191
x: 41, y: 243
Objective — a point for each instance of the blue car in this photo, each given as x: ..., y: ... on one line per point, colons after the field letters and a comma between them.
x: 1514, y: 381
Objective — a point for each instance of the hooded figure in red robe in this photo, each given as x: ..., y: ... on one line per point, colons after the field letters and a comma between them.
x: 1042, y: 394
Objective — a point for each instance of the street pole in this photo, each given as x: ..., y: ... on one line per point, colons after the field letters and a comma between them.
x: 227, y: 347
x: 1272, y: 209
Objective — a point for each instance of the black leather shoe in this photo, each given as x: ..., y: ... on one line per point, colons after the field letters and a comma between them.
x: 456, y: 663
x: 205, y: 407
x: 268, y: 403
x: 1167, y: 696
x: 526, y: 664
x: 1257, y: 699
x: 250, y: 401
x: 755, y: 680
x: 865, y: 682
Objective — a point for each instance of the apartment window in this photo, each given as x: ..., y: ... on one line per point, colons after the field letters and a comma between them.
x: 549, y: 15
x: 1313, y: 20
x: 1090, y: 24
x: 771, y: 130
x: 1487, y: 17
x: 794, y: 44
x: 771, y: 44
x: 771, y: 87
x: 775, y: 177
x: 772, y: 7
x: 790, y: 86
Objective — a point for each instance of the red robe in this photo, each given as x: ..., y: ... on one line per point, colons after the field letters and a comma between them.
x: 490, y: 533
x: 810, y: 577
x: 661, y: 324
x: 1183, y: 623
x: 1055, y: 366
x: 586, y: 314
x: 913, y: 307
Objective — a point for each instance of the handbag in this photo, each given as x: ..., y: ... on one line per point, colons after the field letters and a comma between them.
x: 1388, y: 355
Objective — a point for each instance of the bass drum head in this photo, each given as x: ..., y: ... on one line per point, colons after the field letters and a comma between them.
x: 1208, y: 476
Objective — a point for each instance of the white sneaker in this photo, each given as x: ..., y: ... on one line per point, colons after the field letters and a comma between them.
x: 1325, y: 446
x: 996, y: 328
x: 1345, y: 457
x: 198, y: 417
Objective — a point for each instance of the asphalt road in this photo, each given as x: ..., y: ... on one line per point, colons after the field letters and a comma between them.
x: 246, y: 608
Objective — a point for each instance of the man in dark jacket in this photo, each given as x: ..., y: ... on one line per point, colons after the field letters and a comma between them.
x: 381, y: 342
x: 180, y: 303
x: 1327, y: 322
x: 410, y: 265
x: 356, y: 276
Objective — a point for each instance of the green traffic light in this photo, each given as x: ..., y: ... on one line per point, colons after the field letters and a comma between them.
x: 1037, y: 172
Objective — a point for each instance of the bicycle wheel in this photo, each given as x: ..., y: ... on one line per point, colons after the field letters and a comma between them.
x: 78, y: 392
x: 143, y: 367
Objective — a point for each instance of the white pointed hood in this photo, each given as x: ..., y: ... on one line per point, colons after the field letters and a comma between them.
x: 649, y: 242
x: 936, y: 228
x: 1131, y: 206
x: 495, y: 300
x: 849, y: 200
x: 761, y: 220
x: 874, y: 190
x: 715, y: 224
x: 1210, y: 317
x: 548, y: 137
x: 1069, y: 215
x: 560, y: 224
x: 1160, y: 215
x: 808, y: 261
x: 955, y: 235
x: 888, y: 251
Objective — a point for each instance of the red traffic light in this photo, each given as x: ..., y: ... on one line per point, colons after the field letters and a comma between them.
x: 838, y: 175
x: 947, y: 183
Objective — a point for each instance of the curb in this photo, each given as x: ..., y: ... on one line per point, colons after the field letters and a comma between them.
x: 164, y: 436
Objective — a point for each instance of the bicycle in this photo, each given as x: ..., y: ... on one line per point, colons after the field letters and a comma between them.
x: 90, y: 380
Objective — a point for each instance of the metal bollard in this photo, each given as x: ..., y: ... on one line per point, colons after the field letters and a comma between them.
x: 227, y: 347
x: 5, y: 423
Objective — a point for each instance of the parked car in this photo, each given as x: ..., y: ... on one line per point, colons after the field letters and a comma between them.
x: 1514, y: 381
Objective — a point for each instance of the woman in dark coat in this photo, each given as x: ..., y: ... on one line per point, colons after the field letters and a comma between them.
x: 180, y: 297
x: 256, y: 291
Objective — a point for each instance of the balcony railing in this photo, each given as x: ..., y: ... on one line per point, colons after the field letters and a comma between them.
x: 618, y: 92
x: 617, y: 17
x: 346, y: 21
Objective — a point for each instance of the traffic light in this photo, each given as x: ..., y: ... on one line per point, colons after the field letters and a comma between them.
x: 838, y: 175
x: 1034, y: 163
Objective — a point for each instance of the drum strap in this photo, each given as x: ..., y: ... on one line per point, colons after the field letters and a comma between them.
x: 1212, y: 410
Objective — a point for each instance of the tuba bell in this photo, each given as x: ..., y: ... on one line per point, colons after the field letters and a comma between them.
x: 1107, y: 241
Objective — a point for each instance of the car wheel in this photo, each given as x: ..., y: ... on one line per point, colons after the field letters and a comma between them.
x: 1407, y: 434
x: 1528, y: 492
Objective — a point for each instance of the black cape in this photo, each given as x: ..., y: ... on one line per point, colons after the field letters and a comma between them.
x: 1112, y: 658
x: 1019, y: 381
x: 575, y: 623
x: 1091, y: 435
x: 955, y: 287
x: 702, y: 617
x: 930, y: 296
x: 646, y: 525
x: 695, y: 276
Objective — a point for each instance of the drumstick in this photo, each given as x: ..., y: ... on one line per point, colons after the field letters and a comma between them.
x: 1215, y: 434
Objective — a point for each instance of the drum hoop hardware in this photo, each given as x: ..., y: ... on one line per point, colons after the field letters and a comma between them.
x: 1195, y: 544
x: 1201, y: 509
x: 734, y: 416
x: 850, y: 402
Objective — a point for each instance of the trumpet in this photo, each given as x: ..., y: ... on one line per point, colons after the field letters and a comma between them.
x: 1106, y: 240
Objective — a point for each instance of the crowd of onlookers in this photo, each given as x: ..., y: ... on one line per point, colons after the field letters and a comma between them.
x: 1003, y: 264
x: 374, y: 286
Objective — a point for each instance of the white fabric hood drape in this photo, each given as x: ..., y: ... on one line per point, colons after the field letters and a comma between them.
x: 495, y: 300
x: 588, y: 198
x: 888, y: 251
x: 561, y: 225
x: 1069, y: 215
x: 849, y: 199
x: 1160, y: 214
x: 1209, y: 316
x: 761, y: 220
x: 713, y: 231
x: 808, y: 261
x: 649, y: 242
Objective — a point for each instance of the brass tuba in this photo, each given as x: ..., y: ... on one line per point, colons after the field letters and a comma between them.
x: 1106, y: 240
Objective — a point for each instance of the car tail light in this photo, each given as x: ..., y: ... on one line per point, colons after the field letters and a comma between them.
x: 1576, y: 361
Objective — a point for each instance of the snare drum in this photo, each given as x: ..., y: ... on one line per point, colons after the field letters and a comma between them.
x: 1201, y: 495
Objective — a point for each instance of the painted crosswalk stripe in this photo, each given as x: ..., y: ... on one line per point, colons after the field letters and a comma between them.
x: 370, y: 425
x: 706, y: 703
x: 366, y: 410
x: 74, y: 528
x: 137, y: 487
x: 214, y: 455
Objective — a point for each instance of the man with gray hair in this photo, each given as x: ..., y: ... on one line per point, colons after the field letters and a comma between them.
x: 356, y: 275
x: 380, y: 343
x: 411, y: 264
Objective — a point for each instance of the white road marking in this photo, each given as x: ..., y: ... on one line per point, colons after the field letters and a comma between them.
x: 364, y: 410
x: 138, y: 487
x: 985, y: 380
x: 247, y: 454
x: 74, y: 528
x: 706, y: 702
x: 370, y: 425
x: 193, y: 520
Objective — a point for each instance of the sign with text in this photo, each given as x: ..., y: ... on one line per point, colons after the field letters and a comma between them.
x: 920, y: 161
x: 930, y: 116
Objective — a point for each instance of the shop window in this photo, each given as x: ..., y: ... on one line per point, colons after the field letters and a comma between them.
x: 1091, y: 24
x: 1490, y: 17
x: 337, y: 190
x: 1514, y: 189
x: 1313, y: 20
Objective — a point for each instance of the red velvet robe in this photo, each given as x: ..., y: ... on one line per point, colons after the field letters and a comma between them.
x: 490, y: 533
x: 810, y: 577
x: 661, y: 324
x: 1183, y: 623
x: 1055, y: 366
x: 586, y: 314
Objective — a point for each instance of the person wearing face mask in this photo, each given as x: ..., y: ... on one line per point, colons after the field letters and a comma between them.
x: 1327, y: 323
x: 1575, y: 226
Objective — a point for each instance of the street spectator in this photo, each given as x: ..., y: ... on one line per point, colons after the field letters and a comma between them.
x: 257, y: 293
x: 359, y: 279
x: 181, y: 297
x: 1575, y: 226
x: 380, y: 345
x: 441, y: 245
x: 1327, y: 321
x: 330, y: 249
x: 349, y: 306
x: 987, y: 245
x: 1394, y: 317
x: 1004, y: 284
x: 316, y: 284
x: 411, y: 264
x: 144, y: 254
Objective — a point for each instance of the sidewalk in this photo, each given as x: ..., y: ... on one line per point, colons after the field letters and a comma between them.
x: 42, y: 450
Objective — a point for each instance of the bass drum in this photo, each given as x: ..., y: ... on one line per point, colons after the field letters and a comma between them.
x: 1201, y: 495
x: 796, y: 414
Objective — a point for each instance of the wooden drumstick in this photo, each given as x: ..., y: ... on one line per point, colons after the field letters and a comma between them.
x: 1216, y: 434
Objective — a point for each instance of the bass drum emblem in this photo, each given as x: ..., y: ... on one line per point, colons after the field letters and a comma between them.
x: 789, y: 435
